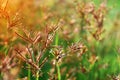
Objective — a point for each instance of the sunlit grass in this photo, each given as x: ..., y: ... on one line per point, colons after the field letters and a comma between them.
x: 83, y: 45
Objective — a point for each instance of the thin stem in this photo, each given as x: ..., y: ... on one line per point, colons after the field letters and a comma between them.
x: 58, y: 71
x: 56, y: 39
x: 29, y: 74
x: 57, y: 65
x: 37, y: 75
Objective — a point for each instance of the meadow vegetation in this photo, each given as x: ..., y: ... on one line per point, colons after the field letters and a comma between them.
x: 59, y: 40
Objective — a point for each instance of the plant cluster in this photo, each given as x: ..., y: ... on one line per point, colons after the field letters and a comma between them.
x: 62, y: 40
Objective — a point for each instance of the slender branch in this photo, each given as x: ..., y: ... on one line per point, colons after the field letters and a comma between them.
x: 29, y: 53
x: 23, y: 58
x: 36, y: 38
x: 27, y: 61
x: 43, y: 61
x: 39, y: 57
x: 23, y: 37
